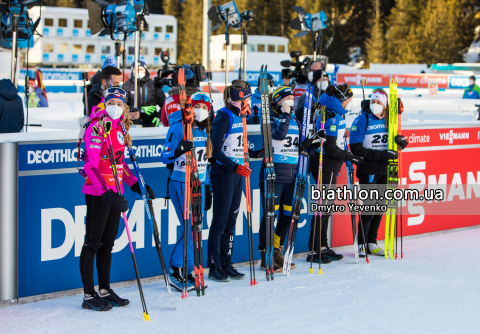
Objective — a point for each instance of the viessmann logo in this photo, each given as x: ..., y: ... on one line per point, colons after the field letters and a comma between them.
x: 451, y: 136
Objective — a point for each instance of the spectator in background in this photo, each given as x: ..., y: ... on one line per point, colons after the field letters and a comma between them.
x: 11, y: 108
x: 256, y: 102
x: 96, y: 79
x: 148, y: 98
x: 472, y: 91
x: 110, y: 77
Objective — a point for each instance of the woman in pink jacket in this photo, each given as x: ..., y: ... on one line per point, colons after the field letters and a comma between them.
x: 104, y: 204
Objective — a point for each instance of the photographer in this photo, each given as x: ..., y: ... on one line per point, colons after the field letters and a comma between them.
x: 315, y: 79
x: 148, y: 97
x: 302, y: 82
x: 110, y: 77
x: 287, y: 77
x: 256, y: 101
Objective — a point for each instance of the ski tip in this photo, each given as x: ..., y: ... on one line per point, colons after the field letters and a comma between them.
x: 310, y: 271
x: 320, y: 271
x: 146, y: 316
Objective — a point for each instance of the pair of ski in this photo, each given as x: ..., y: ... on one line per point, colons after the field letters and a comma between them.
x: 300, y: 184
x: 269, y: 176
x: 192, y: 209
x: 392, y: 214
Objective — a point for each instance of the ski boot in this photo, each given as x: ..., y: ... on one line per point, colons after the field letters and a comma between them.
x: 111, y: 297
x: 361, y: 250
x: 233, y: 273
x: 325, y: 259
x: 375, y: 250
x: 328, y: 252
x: 278, y: 260
x: 176, y: 279
x: 218, y: 275
x: 94, y: 302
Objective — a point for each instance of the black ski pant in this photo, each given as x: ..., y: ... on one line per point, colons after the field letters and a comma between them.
x: 369, y: 221
x: 329, y: 179
x: 283, y: 210
x: 227, y: 194
x: 100, y: 232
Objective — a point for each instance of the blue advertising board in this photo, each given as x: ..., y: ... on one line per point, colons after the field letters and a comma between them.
x: 51, y: 218
x: 461, y: 81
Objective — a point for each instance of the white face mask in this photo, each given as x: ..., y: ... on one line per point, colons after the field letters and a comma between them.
x: 348, y: 107
x: 310, y: 76
x: 141, y: 75
x: 376, y: 109
x: 114, y: 112
x: 201, y: 114
x: 472, y: 82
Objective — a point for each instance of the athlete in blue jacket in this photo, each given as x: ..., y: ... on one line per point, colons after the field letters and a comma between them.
x: 286, y: 129
x: 337, y: 101
x: 369, y: 139
x: 227, y: 176
x: 174, y: 153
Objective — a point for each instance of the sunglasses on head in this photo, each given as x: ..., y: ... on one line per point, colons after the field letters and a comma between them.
x: 378, y: 90
x: 200, y: 96
x: 115, y: 91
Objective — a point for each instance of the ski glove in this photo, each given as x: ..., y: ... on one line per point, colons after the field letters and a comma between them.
x: 118, y: 202
x: 388, y: 155
x: 401, y: 142
x: 149, y: 110
x: 208, y: 198
x: 355, y: 159
x: 313, y: 138
x: 156, y: 122
x: 242, y: 170
x: 136, y: 189
x: 183, y: 147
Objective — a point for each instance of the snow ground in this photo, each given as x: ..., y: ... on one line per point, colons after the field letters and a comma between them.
x: 434, y: 289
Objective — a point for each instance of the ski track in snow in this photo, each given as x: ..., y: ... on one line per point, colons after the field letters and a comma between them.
x: 434, y: 289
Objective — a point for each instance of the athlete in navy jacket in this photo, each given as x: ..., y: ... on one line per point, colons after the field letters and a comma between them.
x: 337, y: 101
x: 286, y: 130
x: 227, y: 181
x: 369, y: 139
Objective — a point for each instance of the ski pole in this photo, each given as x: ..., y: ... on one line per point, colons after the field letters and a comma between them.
x: 363, y: 82
x: 106, y: 134
x: 319, y: 201
x: 151, y: 216
x: 245, y: 111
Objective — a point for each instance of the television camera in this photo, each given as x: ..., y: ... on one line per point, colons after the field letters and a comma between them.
x: 168, y: 75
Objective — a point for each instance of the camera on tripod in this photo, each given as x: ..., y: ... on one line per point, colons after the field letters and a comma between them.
x: 300, y: 73
x: 169, y: 69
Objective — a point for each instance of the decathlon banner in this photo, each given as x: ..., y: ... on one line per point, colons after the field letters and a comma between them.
x: 51, y: 217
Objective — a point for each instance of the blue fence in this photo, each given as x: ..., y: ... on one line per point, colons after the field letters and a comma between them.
x: 52, y: 210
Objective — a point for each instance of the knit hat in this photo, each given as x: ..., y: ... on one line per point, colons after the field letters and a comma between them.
x: 379, y: 95
x: 140, y: 63
x: 110, y: 61
x: 235, y: 94
x: 281, y: 93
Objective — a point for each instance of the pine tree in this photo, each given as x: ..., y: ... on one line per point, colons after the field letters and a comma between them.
x: 189, y: 47
x: 376, y: 43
